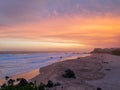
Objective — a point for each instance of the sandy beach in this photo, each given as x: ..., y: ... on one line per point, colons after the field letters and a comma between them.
x: 97, y: 70
x: 85, y: 68
x: 111, y: 69
x: 27, y: 76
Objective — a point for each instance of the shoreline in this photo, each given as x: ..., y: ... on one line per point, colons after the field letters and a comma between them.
x: 27, y: 75
x: 96, y: 70
x: 37, y: 71
x: 32, y: 73
x: 17, y: 64
x: 85, y: 68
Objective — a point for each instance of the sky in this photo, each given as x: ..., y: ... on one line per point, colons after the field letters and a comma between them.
x: 59, y: 25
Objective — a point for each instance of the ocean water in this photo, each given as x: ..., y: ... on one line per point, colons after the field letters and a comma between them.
x: 11, y: 64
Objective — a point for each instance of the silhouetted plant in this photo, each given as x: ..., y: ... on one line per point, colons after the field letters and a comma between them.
x: 31, y: 83
x: 24, y: 85
x: 57, y: 84
x: 69, y: 74
x: 11, y: 82
x: 22, y: 82
x: 7, y: 77
x: 18, y: 79
x: 50, y: 84
x: 99, y: 89
x: 41, y: 86
x: 3, y: 86
x: 35, y: 84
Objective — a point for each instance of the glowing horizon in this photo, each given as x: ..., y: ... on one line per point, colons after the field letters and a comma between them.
x: 45, y: 25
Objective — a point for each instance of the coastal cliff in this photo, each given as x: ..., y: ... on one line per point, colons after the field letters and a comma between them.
x: 114, y: 51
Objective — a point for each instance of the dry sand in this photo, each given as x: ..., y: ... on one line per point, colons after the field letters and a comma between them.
x: 97, y: 70
x: 85, y: 69
x: 111, y: 68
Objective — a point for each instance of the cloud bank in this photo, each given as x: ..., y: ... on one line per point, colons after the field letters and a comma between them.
x: 66, y: 22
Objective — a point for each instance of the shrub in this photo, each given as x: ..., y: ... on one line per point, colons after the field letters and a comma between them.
x: 69, y: 74
x: 31, y: 83
x: 24, y: 85
x: 23, y: 82
x: 99, y: 89
x: 57, y: 84
x: 7, y: 77
x: 41, y: 86
x: 3, y: 86
x: 11, y: 82
x: 50, y: 84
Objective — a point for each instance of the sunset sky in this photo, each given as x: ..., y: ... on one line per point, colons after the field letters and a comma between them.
x: 59, y: 25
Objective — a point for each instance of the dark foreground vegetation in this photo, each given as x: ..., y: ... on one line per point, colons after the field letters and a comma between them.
x: 23, y: 84
x: 69, y: 74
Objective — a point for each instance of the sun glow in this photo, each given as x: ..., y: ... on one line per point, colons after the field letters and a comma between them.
x: 52, y: 29
x: 21, y: 44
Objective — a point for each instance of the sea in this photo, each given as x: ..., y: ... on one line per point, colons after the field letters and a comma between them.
x: 12, y: 64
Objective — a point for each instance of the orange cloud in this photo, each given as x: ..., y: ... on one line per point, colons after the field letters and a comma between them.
x: 73, y: 32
